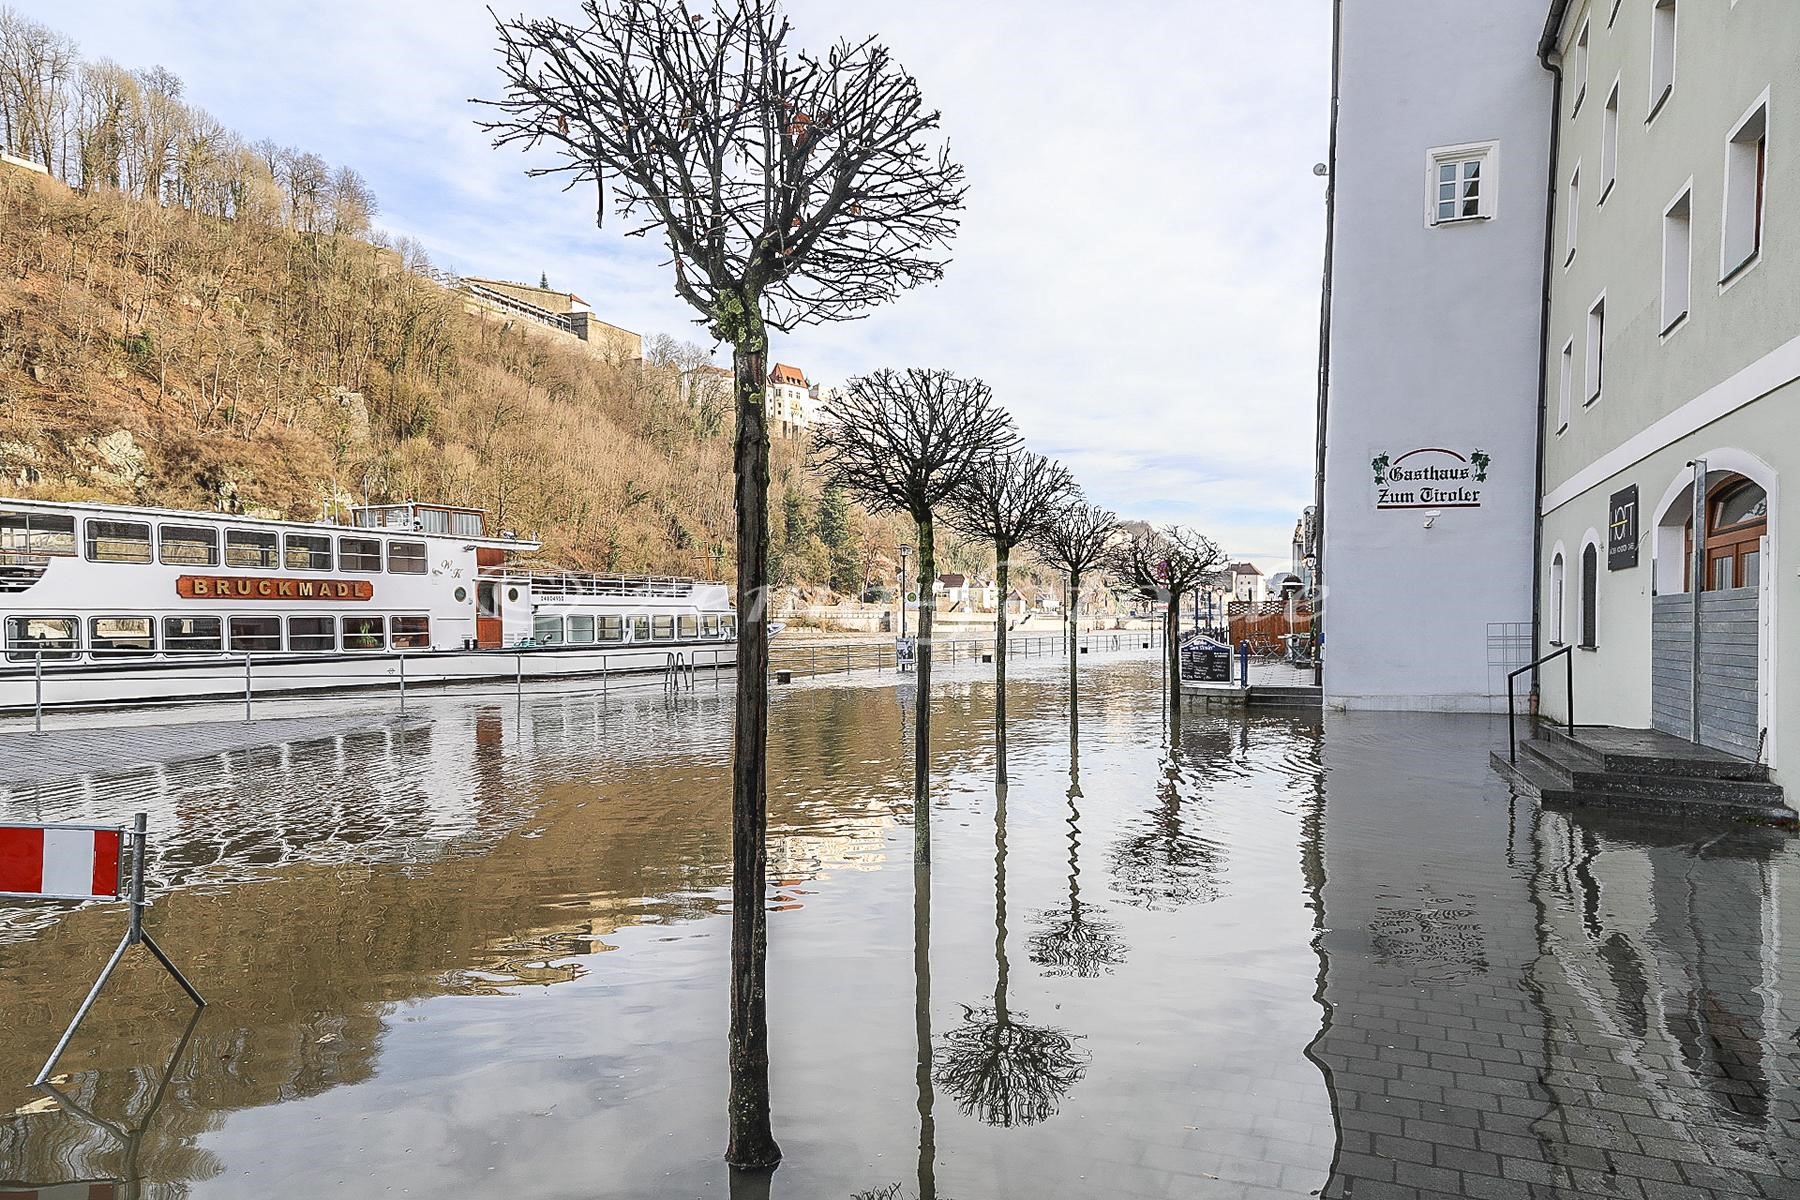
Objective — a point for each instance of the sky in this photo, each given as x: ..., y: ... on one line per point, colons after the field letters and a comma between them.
x: 1136, y: 276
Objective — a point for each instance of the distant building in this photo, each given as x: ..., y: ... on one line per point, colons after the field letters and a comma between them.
x: 707, y: 385
x: 1247, y: 583
x: 790, y: 401
x: 560, y: 312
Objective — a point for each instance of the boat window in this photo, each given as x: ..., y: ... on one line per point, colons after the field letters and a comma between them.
x: 251, y: 548
x: 664, y: 628
x: 711, y: 624
x: 308, y: 552
x: 547, y: 631
x: 487, y: 598
x: 364, y: 633
x: 121, y: 637
x: 28, y: 638
x: 689, y: 624
x: 37, y: 534
x: 411, y: 633
x: 612, y: 629
x: 189, y: 545
x: 190, y: 635
x: 640, y: 629
x: 406, y: 558
x: 728, y: 625
x: 312, y: 635
x: 255, y: 633
x: 581, y: 630
x: 360, y: 555
x: 118, y: 541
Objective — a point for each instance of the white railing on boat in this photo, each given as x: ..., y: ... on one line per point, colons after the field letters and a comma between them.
x: 570, y: 584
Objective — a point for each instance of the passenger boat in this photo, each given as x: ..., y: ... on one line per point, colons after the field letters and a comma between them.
x: 104, y: 603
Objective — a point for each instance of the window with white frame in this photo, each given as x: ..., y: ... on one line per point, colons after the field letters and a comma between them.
x: 1556, y: 600
x: 1662, y: 53
x: 1462, y: 182
x: 1677, y: 259
x: 1581, y: 68
x: 1596, y: 349
x: 1566, y: 393
x: 1746, y: 186
x: 1574, y: 226
x: 1609, y: 143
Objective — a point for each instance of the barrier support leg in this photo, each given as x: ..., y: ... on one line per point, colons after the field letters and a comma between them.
x: 134, y: 933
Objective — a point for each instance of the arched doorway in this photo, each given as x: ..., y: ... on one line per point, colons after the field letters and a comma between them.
x: 1729, y: 685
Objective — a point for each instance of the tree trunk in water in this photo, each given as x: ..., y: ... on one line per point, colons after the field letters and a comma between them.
x: 1002, y: 573
x: 922, y: 709
x: 1172, y: 656
x: 1074, y: 641
x: 752, y: 1142
x: 922, y: 1028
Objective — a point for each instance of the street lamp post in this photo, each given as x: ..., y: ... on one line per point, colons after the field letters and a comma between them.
x: 905, y: 553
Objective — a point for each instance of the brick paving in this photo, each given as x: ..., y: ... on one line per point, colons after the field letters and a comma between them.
x: 1527, y: 1005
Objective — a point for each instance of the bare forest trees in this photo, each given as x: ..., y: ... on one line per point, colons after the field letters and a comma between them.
x: 788, y: 188
x: 1163, y: 566
x: 907, y: 441
x: 1010, y: 499
x: 99, y: 125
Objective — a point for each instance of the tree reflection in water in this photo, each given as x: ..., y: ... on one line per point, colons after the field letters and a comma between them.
x: 1165, y: 866
x: 1076, y: 939
x: 998, y: 1067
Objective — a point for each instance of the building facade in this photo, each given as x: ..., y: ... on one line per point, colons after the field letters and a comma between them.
x: 1673, y: 340
x: 1429, y: 388
x: 545, y: 308
x: 790, y: 400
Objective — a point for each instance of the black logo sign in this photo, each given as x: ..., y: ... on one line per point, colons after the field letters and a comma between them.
x: 1622, y: 530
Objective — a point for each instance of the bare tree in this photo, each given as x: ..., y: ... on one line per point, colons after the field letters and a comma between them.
x: 906, y: 441
x: 1076, y: 543
x: 788, y: 188
x: 38, y: 68
x: 1010, y: 499
x: 1163, y: 566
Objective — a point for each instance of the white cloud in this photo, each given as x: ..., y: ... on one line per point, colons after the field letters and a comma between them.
x: 1137, y: 274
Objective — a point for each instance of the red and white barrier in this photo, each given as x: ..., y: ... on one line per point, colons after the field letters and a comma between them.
x: 61, y: 1191
x: 61, y: 862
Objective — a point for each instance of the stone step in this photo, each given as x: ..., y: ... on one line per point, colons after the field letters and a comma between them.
x: 1643, y: 752
x: 1579, y: 773
x: 1554, y: 789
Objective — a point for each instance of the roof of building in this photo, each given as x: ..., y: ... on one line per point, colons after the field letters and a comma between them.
x: 786, y: 374
x: 1244, y: 568
x: 953, y: 579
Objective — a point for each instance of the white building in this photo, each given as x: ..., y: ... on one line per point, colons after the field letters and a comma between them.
x: 1434, y: 284
x: 1247, y: 582
x: 790, y: 401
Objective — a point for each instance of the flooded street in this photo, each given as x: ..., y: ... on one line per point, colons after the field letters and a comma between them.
x: 483, y: 952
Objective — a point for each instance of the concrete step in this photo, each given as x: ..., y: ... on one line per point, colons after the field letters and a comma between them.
x: 1580, y: 773
x: 1288, y: 696
x: 1643, y: 751
x: 1541, y: 772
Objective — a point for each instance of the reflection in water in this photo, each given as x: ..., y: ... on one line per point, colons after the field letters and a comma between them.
x: 997, y: 1066
x: 1076, y: 938
x: 1162, y: 864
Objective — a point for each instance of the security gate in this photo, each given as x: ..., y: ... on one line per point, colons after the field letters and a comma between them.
x: 1730, y: 655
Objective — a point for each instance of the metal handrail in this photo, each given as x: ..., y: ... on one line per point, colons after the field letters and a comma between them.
x: 1512, y: 733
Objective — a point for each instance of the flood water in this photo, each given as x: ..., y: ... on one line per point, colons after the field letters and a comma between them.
x: 483, y: 952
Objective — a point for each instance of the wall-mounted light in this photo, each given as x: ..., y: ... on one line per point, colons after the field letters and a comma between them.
x: 1431, y: 517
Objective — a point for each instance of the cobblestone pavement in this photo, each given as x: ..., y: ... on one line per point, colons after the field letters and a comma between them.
x: 1526, y: 1005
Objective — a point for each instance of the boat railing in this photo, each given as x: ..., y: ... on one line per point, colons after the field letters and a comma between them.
x: 573, y: 585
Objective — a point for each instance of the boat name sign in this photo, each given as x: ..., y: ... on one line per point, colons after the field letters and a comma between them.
x: 266, y: 587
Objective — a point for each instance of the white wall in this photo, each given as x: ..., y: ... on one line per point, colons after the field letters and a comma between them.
x: 1434, y: 343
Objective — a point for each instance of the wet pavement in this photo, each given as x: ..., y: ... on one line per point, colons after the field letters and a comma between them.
x: 482, y: 952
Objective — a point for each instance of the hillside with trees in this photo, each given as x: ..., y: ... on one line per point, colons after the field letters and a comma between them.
x: 193, y: 320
